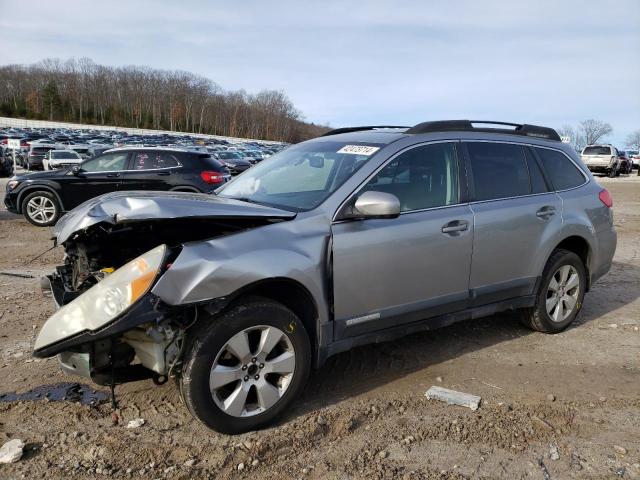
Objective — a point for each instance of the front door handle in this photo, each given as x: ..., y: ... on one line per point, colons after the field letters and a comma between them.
x: 546, y: 212
x: 455, y: 227
x: 164, y: 174
x: 112, y: 175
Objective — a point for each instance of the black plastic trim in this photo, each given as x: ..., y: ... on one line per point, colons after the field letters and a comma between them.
x: 425, y: 325
x: 337, y: 131
x: 467, y: 126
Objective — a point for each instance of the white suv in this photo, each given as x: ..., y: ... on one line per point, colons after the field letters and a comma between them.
x: 601, y: 158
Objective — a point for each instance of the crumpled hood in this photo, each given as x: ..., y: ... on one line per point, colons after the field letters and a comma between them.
x: 133, y: 206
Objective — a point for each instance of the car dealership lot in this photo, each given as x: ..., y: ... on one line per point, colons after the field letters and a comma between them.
x: 364, y: 413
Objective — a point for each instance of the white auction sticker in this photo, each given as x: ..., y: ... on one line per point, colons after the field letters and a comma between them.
x: 359, y: 150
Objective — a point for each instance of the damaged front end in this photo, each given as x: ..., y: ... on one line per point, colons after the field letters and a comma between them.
x: 117, y: 331
x: 109, y: 326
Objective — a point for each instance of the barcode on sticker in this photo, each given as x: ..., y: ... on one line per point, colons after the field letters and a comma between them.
x: 359, y: 150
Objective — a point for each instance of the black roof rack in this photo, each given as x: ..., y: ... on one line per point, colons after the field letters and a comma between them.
x: 357, y: 129
x: 468, y: 126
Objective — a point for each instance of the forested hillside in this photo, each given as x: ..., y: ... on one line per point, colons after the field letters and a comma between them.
x: 84, y: 92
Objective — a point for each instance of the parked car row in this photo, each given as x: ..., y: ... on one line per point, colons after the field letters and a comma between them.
x: 609, y: 160
x: 42, y: 197
x: 35, y: 143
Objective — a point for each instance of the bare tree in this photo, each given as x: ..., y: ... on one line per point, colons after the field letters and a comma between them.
x: 131, y: 96
x: 594, y: 130
x: 633, y: 140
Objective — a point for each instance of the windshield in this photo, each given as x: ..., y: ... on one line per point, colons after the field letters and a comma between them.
x: 302, y: 176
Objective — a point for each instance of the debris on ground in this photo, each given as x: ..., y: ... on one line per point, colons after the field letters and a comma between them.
x: 620, y: 450
x: 453, y: 397
x: 11, y: 451
x: 138, y: 422
x: 553, y: 452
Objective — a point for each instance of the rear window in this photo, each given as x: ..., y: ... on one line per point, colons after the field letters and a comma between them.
x: 597, y: 151
x: 560, y: 170
x: 41, y: 149
x: 55, y: 155
x: 499, y: 170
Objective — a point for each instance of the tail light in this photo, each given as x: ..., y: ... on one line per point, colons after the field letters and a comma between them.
x: 605, y: 197
x: 212, y: 177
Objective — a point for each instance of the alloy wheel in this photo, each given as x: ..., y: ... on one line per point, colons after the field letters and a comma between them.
x: 41, y: 209
x: 563, y: 293
x: 252, y: 371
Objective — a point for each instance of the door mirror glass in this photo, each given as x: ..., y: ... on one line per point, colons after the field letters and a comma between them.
x: 316, y: 161
x: 374, y: 204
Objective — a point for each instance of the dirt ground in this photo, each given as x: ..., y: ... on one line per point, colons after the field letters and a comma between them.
x: 553, y: 406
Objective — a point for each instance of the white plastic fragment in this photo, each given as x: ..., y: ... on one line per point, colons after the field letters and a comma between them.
x: 453, y: 398
x: 11, y: 451
x: 138, y: 422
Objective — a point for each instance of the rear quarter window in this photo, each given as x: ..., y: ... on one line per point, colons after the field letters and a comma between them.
x: 210, y: 163
x: 559, y: 169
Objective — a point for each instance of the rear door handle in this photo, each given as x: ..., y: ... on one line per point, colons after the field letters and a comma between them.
x: 546, y: 212
x: 455, y: 227
x: 112, y: 175
x: 164, y: 174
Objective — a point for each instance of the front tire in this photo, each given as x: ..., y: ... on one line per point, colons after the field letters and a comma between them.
x: 245, y: 367
x: 41, y: 208
x: 561, y: 293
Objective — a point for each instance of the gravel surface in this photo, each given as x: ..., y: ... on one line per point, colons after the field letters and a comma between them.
x: 553, y: 406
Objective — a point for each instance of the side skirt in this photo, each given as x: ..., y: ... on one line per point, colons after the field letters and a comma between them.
x: 432, y: 323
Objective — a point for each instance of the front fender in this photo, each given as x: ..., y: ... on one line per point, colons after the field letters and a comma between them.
x: 219, y: 267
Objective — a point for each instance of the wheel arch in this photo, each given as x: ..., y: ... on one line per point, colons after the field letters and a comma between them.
x: 34, y: 188
x: 581, y: 247
x: 290, y: 293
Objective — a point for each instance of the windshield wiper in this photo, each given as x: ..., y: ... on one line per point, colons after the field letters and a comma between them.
x: 245, y: 199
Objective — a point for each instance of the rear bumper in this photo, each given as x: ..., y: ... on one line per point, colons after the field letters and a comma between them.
x: 607, y: 243
x: 599, y: 168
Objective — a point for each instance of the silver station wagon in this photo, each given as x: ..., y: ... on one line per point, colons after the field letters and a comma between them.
x: 362, y: 235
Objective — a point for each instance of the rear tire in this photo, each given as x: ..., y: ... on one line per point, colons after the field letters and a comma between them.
x: 551, y: 312
x: 236, y: 387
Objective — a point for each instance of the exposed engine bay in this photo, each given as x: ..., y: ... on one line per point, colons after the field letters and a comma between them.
x: 103, y: 248
x: 153, y: 348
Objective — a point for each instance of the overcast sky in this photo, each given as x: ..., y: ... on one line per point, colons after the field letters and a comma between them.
x: 369, y: 62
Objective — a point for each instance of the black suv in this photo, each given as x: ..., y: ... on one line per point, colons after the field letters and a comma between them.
x: 42, y: 197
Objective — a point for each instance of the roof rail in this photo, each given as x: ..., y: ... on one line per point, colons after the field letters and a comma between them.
x: 358, y: 129
x: 468, y: 126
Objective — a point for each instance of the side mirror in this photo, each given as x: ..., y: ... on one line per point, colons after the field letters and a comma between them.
x: 377, y: 205
x: 76, y: 170
x: 316, y: 161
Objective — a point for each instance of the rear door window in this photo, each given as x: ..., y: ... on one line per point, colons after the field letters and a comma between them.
x: 499, y: 170
x: 154, y: 160
x: 560, y: 170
